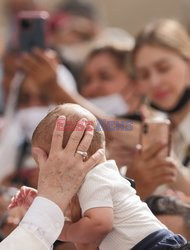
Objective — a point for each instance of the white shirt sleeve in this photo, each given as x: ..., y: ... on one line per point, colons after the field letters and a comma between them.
x: 44, y: 220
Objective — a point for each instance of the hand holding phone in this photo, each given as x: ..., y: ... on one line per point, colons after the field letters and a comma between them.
x: 156, y: 131
x: 32, y: 30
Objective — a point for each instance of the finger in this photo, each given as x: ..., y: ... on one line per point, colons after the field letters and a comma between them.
x: 15, y: 201
x: 171, y: 160
x: 39, y: 155
x: 95, y: 159
x: 30, y: 61
x: 76, y: 136
x: 33, y: 194
x: 23, y: 67
x: 86, y: 141
x: 145, y: 112
x: 164, y: 170
x: 152, y: 151
x: 58, y: 133
x: 161, y: 165
x: 44, y: 57
x: 12, y: 203
x: 39, y: 54
x: 165, y: 179
x: 24, y: 189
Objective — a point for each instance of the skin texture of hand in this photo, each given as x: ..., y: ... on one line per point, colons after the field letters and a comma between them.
x: 62, y: 172
x: 23, y: 198
x: 149, y: 171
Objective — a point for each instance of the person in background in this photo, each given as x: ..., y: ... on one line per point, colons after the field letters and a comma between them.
x: 106, y: 81
x: 73, y: 26
x: 167, y: 86
x: 116, y: 54
x: 32, y: 106
x: 171, y: 211
x: 161, y: 59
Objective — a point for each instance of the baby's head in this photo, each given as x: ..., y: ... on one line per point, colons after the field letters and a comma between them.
x: 42, y: 135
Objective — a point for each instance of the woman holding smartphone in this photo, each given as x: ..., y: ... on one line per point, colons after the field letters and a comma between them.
x: 161, y: 59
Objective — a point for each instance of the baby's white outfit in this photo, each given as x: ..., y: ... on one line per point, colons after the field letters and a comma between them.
x: 132, y: 222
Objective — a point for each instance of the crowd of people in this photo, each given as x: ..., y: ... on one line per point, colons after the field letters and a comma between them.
x: 136, y: 197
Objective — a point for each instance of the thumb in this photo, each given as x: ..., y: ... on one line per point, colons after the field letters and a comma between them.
x: 39, y: 155
x: 95, y: 159
x: 145, y: 112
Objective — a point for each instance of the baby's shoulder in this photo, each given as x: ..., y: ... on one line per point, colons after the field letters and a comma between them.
x: 106, y: 170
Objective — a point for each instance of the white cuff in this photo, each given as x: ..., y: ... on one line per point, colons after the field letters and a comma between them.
x: 44, y: 219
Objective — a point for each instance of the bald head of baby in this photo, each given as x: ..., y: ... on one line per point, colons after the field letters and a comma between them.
x: 42, y: 135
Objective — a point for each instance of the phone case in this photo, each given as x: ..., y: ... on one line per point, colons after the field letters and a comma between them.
x: 156, y: 131
x: 32, y: 30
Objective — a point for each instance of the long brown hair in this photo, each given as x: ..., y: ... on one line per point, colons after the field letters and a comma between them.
x: 165, y: 33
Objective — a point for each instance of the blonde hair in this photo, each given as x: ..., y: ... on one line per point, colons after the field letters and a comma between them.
x: 166, y: 33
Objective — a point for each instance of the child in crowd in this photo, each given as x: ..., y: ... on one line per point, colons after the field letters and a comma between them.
x: 113, y: 216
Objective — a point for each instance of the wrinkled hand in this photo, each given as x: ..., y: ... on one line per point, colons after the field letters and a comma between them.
x: 40, y: 66
x: 23, y: 198
x: 62, y: 172
x: 149, y: 170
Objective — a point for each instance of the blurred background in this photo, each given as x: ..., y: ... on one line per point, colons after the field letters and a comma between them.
x: 89, y: 64
x: 128, y: 14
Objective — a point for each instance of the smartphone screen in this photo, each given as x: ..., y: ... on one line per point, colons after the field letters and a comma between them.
x: 156, y: 131
x: 32, y: 30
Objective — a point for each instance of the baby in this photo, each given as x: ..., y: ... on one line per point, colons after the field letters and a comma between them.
x: 113, y: 216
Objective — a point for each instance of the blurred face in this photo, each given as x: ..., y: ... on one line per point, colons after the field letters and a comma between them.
x: 102, y: 77
x: 162, y: 74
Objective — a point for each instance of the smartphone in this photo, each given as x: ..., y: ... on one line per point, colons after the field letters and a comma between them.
x: 32, y: 30
x: 156, y: 131
x: 136, y: 116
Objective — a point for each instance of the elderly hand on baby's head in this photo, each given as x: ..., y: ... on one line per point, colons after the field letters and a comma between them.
x: 63, y: 170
